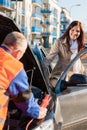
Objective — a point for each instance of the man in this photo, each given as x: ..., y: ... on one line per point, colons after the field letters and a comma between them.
x: 14, y: 81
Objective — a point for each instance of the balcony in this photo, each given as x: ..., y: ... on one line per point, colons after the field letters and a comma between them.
x: 54, y: 24
x: 45, y: 23
x: 3, y: 2
x: 48, y: 22
x: 23, y: 28
x: 48, y: 11
x: 55, y: 15
x: 37, y: 2
x: 6, y: 5
x: 63, y: 29
x: 35, y: 29
x: 23, y: 11
x: 36, y: 15
x: 45, y: 33
x: 54, y: 34
x: 65, y: 22
x: 46, y: 1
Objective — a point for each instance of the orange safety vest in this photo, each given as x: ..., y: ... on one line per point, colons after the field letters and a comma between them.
x: 9, y: 68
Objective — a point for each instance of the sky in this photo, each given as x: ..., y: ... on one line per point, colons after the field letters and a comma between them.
x: 77, y: 12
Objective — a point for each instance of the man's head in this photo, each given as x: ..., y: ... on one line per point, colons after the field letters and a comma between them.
x: 16, y: 43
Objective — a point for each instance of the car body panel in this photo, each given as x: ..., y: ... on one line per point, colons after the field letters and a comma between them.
x: 7, y: 25
x: 74, y: 106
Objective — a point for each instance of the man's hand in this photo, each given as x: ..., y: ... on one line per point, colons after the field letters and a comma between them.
x: 42, y: 113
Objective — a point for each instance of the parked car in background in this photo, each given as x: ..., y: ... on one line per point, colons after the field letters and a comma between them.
x: 70, y: 102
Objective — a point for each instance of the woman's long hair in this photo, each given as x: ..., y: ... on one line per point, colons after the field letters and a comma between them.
x: 80, y: 39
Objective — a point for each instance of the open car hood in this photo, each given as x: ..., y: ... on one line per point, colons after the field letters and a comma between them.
x: 6, y: 26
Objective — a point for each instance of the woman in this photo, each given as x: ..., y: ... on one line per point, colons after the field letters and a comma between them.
x: 66, y: 47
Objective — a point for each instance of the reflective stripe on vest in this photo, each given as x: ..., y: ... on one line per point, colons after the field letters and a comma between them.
x: 9, y: 68
x: 1, y: 123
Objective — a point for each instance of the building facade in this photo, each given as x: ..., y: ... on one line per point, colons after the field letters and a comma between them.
x: 50, y: 21
x: 65, y: 20
x: 41, y: 21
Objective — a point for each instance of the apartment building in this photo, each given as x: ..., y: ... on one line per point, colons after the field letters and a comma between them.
x: 41, y: 21
x: 65, y: 20
x: 6, y: 7
x: 50, y: 21
x: 36, y: 17
x: 22, y: 16
x: 20, y: 11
